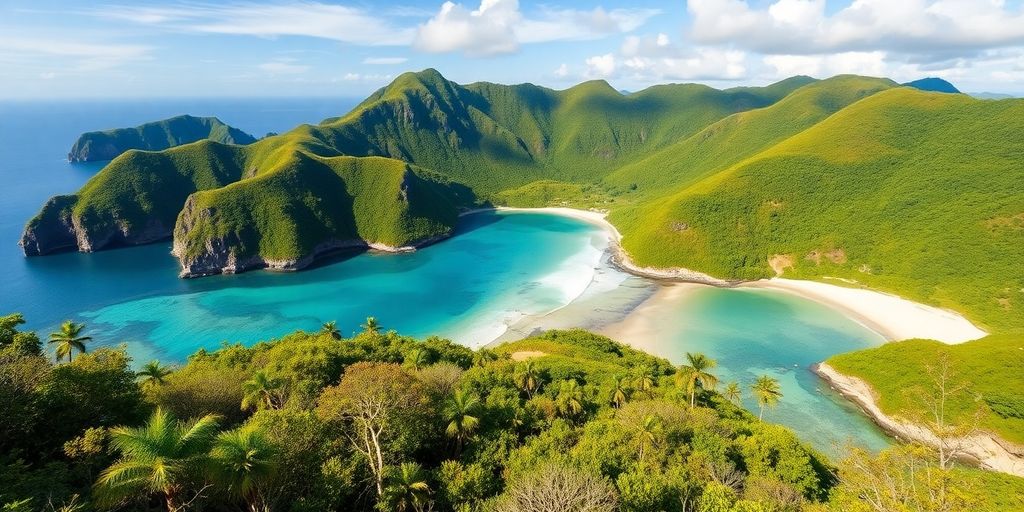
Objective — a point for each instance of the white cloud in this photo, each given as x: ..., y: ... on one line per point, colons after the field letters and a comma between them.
x: 295, y: 18
x: 802, y: 27
x: 384, y: 61
x: 283, y: 67
x: 650, y: 59
x: 360, y: 77
x: 81, y: 55
x: 562, y: 71
x: 499, y: 27
x: 601, y: 66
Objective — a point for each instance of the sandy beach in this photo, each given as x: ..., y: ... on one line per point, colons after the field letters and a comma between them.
x: 893, y: 317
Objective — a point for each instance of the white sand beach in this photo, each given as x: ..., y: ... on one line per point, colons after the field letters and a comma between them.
x: 893, y: 317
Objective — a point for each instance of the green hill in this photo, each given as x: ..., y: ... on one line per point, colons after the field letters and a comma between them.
x: 155, y: 136
x: 485, y: 136
x: 914, y: 192
x: 917, y: 193
x: 988, y: 368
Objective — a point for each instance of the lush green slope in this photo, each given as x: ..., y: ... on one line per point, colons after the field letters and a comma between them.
x: 918, y: 193
x: 312, y: 204
x: 989, y: 369
x: 489, y: 137
x: 155, y: 136
x: 472, y: 430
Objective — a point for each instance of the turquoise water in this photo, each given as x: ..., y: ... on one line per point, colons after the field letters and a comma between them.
x: 761, y: 332
x: 500, y: 270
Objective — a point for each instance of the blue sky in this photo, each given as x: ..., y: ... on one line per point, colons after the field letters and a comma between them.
x: 63, y: 48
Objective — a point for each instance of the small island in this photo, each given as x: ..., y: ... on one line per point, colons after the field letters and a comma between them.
x: 155, y: 136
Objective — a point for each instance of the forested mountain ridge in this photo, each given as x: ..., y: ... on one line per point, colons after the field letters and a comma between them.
x: 731, y: 183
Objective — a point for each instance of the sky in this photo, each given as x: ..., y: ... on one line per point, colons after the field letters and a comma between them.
x: 348, y: 48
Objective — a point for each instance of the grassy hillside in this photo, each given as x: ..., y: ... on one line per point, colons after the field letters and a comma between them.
x: 311, y: 200
x: 918, y: 193
x: 485, y: 136
x: 990, y: 368
x: 908, y: 191
x: 155, y: 136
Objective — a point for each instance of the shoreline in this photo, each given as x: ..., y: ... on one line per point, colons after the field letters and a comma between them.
x: 983, y: 450
x: 891, y: 316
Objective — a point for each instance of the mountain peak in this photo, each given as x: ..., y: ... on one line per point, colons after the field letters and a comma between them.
x: 933, y: 84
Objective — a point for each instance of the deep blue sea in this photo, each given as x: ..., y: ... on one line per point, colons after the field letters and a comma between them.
x: 502, y: 271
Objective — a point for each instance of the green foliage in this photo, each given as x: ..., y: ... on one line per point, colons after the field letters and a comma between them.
x: 989, y: 368
x: 155, y: 136
x: 458, y: 434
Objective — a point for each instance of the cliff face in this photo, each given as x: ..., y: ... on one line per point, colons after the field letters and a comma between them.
x: 155, y: 136
x: 310, y: 208
x: 58, y: 228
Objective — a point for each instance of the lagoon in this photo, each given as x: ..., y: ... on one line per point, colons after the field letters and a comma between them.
x: 503, y: 275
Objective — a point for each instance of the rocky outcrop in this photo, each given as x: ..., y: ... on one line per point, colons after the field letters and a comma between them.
x: 155, y: 136
x: 56, y: 228
x: 986, y: 450
x: 219, y: 256
x: 52, y: 229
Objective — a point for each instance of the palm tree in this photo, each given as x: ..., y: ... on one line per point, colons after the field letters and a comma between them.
x: 153, y: 374
x: 243, y: 461
x: 528, y: 378
x: 569, y: 402
x: 160, y: 457
x: 767, y: 392
x: 408, y: 488
x: 648, y: 433
x: 331, y: 329
x: 618, y: 393
x: 695, y: 373
x: 68, y: 339
x: 733, y: 392
x: 645, y: 380
x: 417, y: 359
x: 459, y: 414
x: 372, y: 326
x: 261, y: 391
x: 483, y: 356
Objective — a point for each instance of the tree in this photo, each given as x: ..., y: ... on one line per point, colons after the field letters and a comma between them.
x: 261, y: 391
x: 417, y: 358
x: 408, y: 489
x: 153, y: 374
x: 553, y: 487
x: 904, y: 477
x: 331, y: 330
x: 162, y: 457
x: 949, y: 438
x: 645, y: 381
x: 244, y: 462
x: 618, y: 391
x: 15, y: 341
x: 459, y: 413
x: 733, y: 392
x: 528, y: 378
x: 695, y: 373
x: 648, y: 434
x: 373, y: 403
x: 767, y: 392
x: 68, y: 339
x: 484, y: 356
x: 371, y: 326
x: 569, y: 402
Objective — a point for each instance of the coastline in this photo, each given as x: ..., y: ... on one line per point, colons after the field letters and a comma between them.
x: 986, y: 451
x: 891, y: 316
